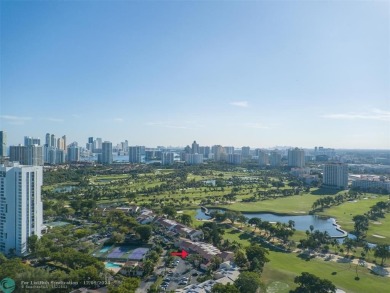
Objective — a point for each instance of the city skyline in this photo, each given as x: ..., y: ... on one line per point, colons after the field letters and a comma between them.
x: 258, y: 74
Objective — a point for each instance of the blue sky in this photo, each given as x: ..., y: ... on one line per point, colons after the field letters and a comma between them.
x: 257, y: 73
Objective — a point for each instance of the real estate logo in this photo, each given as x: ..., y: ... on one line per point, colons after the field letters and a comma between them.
x: 7, y: 285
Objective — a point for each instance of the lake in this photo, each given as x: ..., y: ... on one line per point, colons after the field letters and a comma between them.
x: 302, y: 222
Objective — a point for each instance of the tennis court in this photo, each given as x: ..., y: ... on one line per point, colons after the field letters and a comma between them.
x: 138, y: 253
x: 121, y: 252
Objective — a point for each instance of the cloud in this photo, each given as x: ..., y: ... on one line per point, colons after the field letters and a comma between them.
x: 242, y: 104
x: 256, y: 125
x: 183, y: 125
x: 375, y: 114
x: 15, y: 120
x: 58, y: 120
x: 119, y: 120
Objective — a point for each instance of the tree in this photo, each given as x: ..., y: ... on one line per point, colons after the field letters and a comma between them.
x: 349, y: 244
x: 32, y: 243
x: 129, y: 285
x: 248, y: 282
x: 360, y: 226
x: 257, y: 257
x: 186, y: 219
x: 255, y: 222
x: 240, y: 258
x: 144, y: 232
x: 148, y: 266
x: 169, y: 211
x: 309, y: 283
x: 228, y: 288
x: 383, y: 252
x: 117, y: 237
x: 233, y: 215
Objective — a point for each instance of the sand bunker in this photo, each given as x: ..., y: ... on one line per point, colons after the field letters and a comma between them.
x: 377, y: 223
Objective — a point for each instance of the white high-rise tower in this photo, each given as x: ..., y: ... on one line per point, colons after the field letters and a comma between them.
x: 21, y: 214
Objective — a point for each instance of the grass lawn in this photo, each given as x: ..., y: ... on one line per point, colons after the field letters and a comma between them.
x: 192, y: 213
x: 297, y: 204
x: 283, y: 267
x: 347, y: 210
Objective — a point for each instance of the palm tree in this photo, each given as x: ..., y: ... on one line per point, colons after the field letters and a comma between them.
x: 291, y: 224
x: 366, y: 248
x: 383, y: 252
x: 255, y: 222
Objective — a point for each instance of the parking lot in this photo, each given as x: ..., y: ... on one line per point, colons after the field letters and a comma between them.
x: 180, y: 275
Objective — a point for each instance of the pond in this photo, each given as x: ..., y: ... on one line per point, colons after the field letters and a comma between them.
x: 65, y: 188
x: 302, y: 222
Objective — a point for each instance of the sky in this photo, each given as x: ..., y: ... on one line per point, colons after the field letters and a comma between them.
x: 240, y: 73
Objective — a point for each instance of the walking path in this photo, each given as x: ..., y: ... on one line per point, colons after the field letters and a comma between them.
x: 377, y: 269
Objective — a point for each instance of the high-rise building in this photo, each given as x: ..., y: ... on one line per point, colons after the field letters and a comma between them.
x: 28, y: 140
x: 275, y: 159
x: 55, y: 156
x: 234, y: 159
x: 21, y: 213
x: 47, y: 140
x: 296, y: 158
x: 321, y: 151
x: 205, y: 151
x: 263, y: 158
x: 125, y: 146
x: 73, y: 153
x: 136, y: 154
x: 106, y: 153
x: 90, y: 139
x: 167, y: 158
x: 97, y: 145
x: 245, y: 151
x: 17, y: 153
x: 27, y: 155
x: 53, y: 141
x: 3, y: 144
x: 63, y: 139
x: 60, y: 143
x: 194, y: 159
x: 34, y: 155
x: 218, y: 152
x: 195, y: 148
x: 336, y: 175
x: 229, y: 149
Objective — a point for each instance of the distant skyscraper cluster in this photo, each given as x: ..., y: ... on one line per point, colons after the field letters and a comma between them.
x: 55, y: 150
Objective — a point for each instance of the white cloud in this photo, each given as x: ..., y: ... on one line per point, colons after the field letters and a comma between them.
x: 242, y: 104
x: 59, y: 120
x: 256, y: 125
x: 119, y: 120
x: 375, y: 114
x: 15, y: 120
x: 176, y: 125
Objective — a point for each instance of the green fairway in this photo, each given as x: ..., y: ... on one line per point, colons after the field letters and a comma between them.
x: 284, y: 267
x: 347, y: 210
x: 296, y: 204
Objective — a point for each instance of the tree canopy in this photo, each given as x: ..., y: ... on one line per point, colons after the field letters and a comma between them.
x: 248, y: 282
x: 309, y: 283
